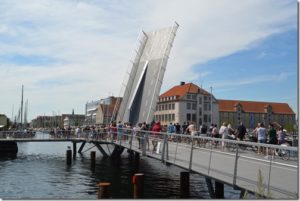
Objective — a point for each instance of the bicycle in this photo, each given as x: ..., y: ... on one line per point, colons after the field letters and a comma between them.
x: 283, y: 153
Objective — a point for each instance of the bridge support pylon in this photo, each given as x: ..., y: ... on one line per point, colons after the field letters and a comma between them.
x: 74, y: 149
x: 219, y: 190
x: 118, y: 150
x: 184, y: 184
x: 81, y: 147
x: 69, y: 156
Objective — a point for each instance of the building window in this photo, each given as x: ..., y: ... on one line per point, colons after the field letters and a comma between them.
x: 188, y: 96
x: 173, y: 106
x: 200, y: 111
x: 166, y: 117
x: 200, y: 100
x: 170, y: 106
x: 194, y: 106
x: 205, y: 118
x: 188, y: 117
x: 205, y: 98
x: 188, y: 106
x: 194, y: 117
x: 162, y: 117
x: 205, y: 108
x: 200, y: 121
x: 173, y: 117
x: 169, y: 117
x: 194, y: 96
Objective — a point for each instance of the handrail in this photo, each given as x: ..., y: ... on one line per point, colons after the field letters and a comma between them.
x: 232, y: 141
x: 183, y: 151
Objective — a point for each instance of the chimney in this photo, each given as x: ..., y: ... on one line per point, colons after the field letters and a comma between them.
x: 182, y: 83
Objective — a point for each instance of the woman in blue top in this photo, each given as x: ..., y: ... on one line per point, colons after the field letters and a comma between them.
x: 261, y: 133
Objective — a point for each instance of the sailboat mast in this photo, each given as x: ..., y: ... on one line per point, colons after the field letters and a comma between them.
x: 22, y: 107
x: 25, y: 112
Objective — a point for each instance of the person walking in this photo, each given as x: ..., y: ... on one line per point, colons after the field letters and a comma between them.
x: 230, y: 132
x: 171, y: 129
x: 78, y: 132
x: 272, y: 140
x: 155, y: 132
x: 281, y: 136
x: 261, y: 133
x: 224, y: 133
x: 120, y: 131
x: 215, y: 134
x: 137, y: 133
x: 191, y: 129
x: 241, y: 132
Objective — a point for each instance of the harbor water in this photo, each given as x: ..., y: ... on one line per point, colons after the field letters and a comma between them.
x: 40, y: 172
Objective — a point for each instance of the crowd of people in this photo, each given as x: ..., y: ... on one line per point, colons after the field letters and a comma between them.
x: 115, y: 131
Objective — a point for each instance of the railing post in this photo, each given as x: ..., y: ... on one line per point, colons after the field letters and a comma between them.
x: 176, y: 151
x: 167, y: 147
x: 269, y: 179
x: 191, y: 155
x: 235, y: 164
x: 209, y: 159
x: 131, y: 139
x: 144, y: 144
x: 163, y: 149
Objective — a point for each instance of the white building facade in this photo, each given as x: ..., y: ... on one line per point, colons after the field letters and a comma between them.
x: 186, y: 103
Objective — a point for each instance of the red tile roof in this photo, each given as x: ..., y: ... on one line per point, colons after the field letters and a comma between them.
x: 181, y: 90
x: 253, y: 106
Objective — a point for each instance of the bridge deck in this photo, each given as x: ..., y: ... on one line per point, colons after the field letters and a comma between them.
x: 239, y: 168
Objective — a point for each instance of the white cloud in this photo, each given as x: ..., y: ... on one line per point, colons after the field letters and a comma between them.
x: 221, y: 84
x: 91, y: 43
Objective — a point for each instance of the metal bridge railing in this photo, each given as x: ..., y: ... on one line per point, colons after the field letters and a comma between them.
x: 234, y: 162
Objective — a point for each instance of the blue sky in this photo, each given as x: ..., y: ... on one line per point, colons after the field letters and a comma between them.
x: 68, y: 52
x: 265, y: 72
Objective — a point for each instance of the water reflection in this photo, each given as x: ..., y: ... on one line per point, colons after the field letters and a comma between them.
x: 40, y: 172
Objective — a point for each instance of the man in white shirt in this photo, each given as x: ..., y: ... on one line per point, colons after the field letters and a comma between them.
x: 224, y: 133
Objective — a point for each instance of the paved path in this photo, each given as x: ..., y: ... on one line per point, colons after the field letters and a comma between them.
x: 279, y: 176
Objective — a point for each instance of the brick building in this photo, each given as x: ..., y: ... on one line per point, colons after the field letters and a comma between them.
x: 252, y: 112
